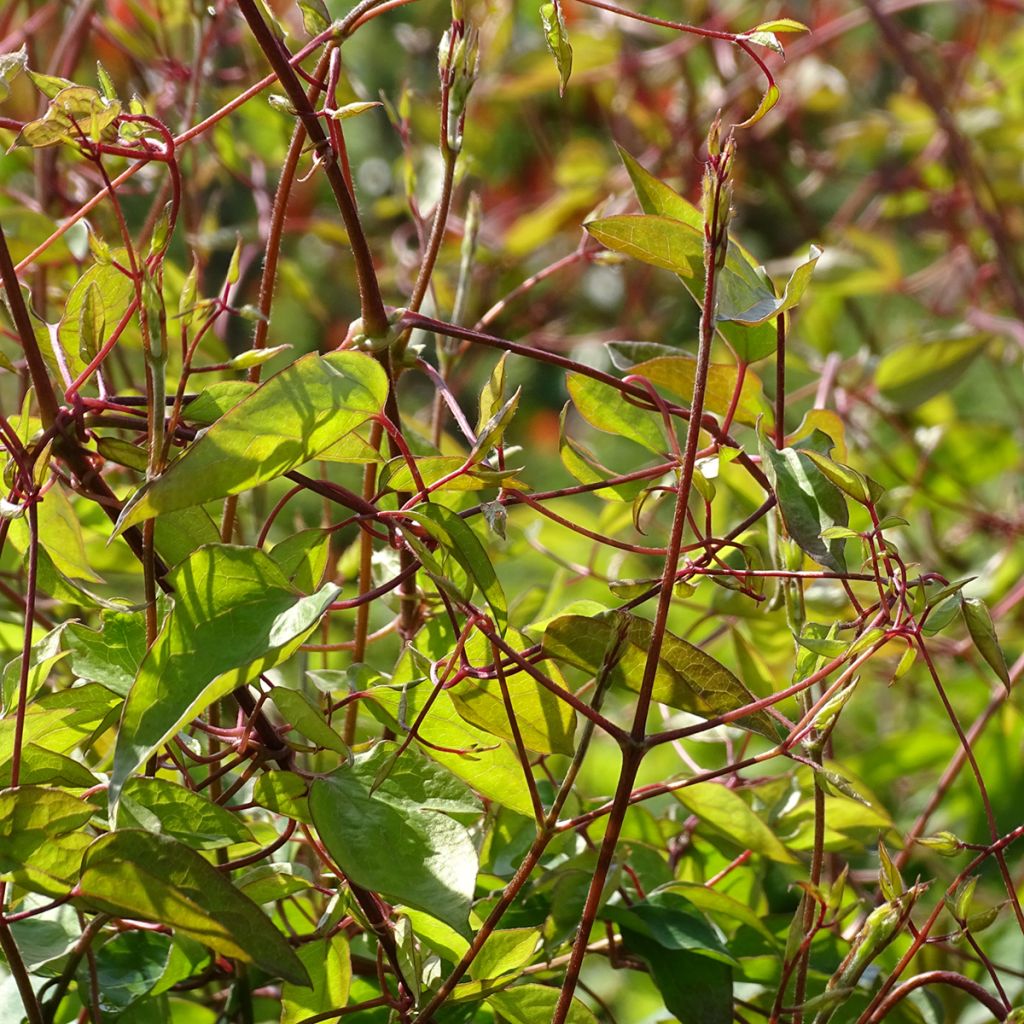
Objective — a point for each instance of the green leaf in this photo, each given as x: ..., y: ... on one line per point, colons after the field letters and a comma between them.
x: 858, y: 486
x: 670, y: 920
x: 329, y: 966
x: 530, y: 1004
x: 713, y: 902
x: 730, y: 815
x: 659, y: 241
x: 737, y: 306
x: 285, y: 793
x: 546, y: 723
x: 505, y: 950
x: 740, y: 281
x: 315, y: 16
x: 397, y: 838
x: 99, y: 297
x: 167, y: 808
x: 43, y: 655
x: 235, y: 615
x: 490, y: 766
x: 11, y: 65
x: 112, y: 655
x: 677, y: 373
x: 127, y: 969
x: 457, y: 538
x: 285, y: 422
x: 983, y: 633
x: 696, y: 989
x: 768, y: 100
x: 308, y: 720
x: 40, y: 837
x: 686, y: 677
x: 781, y: 25
x: 603, y: 407
x: 255, y: 357
x: 911, y: 374
x: 303, y: 558
x: 557, y: 39
x: 808, y: 501
x: 130, y: 873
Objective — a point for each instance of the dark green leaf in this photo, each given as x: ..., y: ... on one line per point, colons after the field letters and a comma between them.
x: 166, y: 808
x: 131, y: 873
x: 397, y: 838
x: 686, y: 678
x: 809, y: 503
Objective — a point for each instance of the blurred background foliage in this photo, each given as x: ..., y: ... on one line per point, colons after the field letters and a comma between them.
x: 897, y: 146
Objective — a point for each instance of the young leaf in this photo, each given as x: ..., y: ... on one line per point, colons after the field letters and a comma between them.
x: 528, y: 1004
x: 329, y: 966
x: 729, y: 815
x: 809, y: 503
x: 557, y: 39
x: 983, y: 633
x: 458, y: 539
x: 604, y: 407
x: 659, y: 241
x: 130, y: 873
x: 285, y: 422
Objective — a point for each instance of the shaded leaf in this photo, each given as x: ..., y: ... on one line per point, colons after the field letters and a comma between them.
x: 686, y: 677
x: 167, y: 808
x: 130, y: 873
x: 919, y: 370
x: 983, y: 633
x: 430, y: 862
x: 808, y: 501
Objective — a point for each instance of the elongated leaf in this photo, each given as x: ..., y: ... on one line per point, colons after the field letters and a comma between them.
x: 285, y: 422
x: 45, y: 653
x: 809, y: 503
x: 458, y: 539
x: 766, y: 306
x: 557, y: 39
x: 729, y: 814
x: 983, y: 633
x: 131, y: 873
x: 919, y: 370
x: 686, y: 677
x: 677, y: 374
x: 603, y: 407
x: 235, y: 615
x: 659, y: 241
x: 329, y: 966
x: 307, y: 719
x: 739, y: 280
x: 127, y: 968
x: 111, y: 656
x: 668, y: 919
x: 489, y: 764
x: 546, y: 723
x: 430, y: 861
